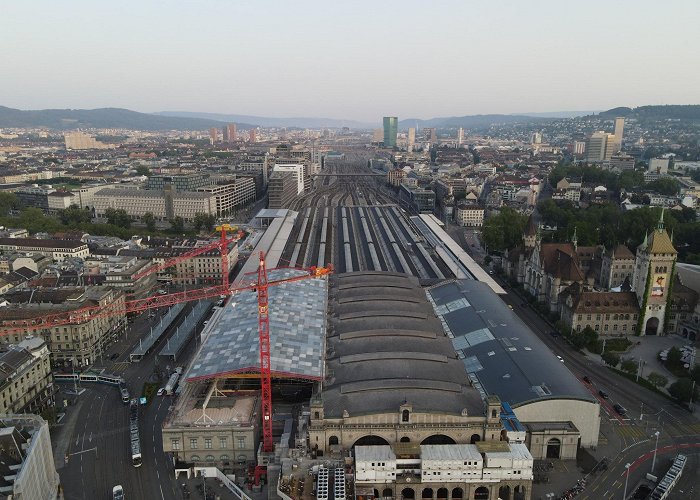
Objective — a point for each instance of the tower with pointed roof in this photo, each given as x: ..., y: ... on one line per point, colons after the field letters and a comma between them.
x: 652, y: 276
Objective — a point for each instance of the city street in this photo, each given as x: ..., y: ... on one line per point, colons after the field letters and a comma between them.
x: 623, y: 440
x: 94, y: 435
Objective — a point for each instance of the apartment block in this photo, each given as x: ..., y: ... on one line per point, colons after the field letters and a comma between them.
x: 26, y: 382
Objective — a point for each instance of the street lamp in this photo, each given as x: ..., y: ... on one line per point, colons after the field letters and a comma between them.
x: 627, y: 476
x: 656, y: 447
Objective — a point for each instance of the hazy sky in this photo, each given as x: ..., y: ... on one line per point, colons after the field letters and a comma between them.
x: 349, y: 59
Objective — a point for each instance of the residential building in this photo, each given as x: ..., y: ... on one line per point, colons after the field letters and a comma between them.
x: 180, y: 182
x: 58, y: 250
x: 419, y: 199
x: 568, y: 189
x: 282, y: 189
x: 60, y: 200
x: 252, y: 135
x: 430, y: 135
x: 600, y: 146
x: 297, y: 169
x: 79, y: 140
x: 469, y: 215
x: 229, y: 132
x: 395, y: 177
x: 26, y: 382
x: 27, y: 467
x: 213, y: 135
x: 619, y: 130
x: 391, y: 129
x: 230, y: 194
x: 79, y: 343
x: 34, y: 196
x: 658, y: 166
x: 684, y: 317
x: 121, y: 272
x: 203, y: 269
x: 621, y: 162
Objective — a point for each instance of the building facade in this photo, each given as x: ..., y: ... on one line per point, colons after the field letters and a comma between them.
x: 26, y: 382
x: 58, y: 250
x: 391, y: 130
x: 469, y: 215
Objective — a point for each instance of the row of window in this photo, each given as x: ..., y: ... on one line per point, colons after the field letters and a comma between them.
x: 194, y: 443
x: 605, y: 327
x: 615, y: 317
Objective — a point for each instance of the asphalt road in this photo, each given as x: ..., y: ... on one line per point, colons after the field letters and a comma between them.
x: 99, y: 450
x: 629, y: 439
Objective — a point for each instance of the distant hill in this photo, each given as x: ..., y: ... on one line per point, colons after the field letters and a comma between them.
x: 66, y: 119
x: 672, y: 112
x: 469, y: 121
x: 300, y: 122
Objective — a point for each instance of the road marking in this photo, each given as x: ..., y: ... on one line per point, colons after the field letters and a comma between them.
x: 606, y: 492
x: 161, y: 492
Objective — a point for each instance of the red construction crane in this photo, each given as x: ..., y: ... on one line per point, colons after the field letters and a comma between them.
x: 261, y: 286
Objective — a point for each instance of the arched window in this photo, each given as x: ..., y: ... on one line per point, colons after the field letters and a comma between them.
x: 194, y: 458
x: 405, y: 415
x: 225, y: 457
x: 333, y: 440
x: 405, y: 439
x: 209, y: 458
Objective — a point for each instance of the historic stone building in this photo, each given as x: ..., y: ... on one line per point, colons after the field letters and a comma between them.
x: 653, y: 269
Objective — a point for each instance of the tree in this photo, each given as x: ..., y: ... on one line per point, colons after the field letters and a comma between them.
x: 177, y: 224
x: 664, y: 185
x: 118, y: 217
x: 610, y: 358
x: 657, y: 380
x: 682, y: 389
x: 8, y: 201
x: 629, y: 366
x: 205, y: 221
x: 674, y: 357
x: 504, y: 231
x: 695, y: 373
x: 74, y: 216
x: 150, y: 220
x: 143, y: 170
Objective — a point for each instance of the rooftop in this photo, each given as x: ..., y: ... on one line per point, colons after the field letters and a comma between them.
x: 385, y: 347
x: 297, y: 331
x: 500, y: 353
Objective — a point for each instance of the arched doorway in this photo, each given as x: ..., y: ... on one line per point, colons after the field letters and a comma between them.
x: 427, y: 493
x: 442, y: 493
x: 457, y: 493
x: 504, y: 435
x: 408, y: 494
x: 405, y: 439
x: 333, y: 440
x: 438, y: 439
x: 375, y: 492
x: 481, y: 493
x: 553, y: 448
x: 387, y: 493
x: 475, y: 438
x: 519, y: 492
x: 370, y: 441
x: 652, y: 326
x: 504, y: 492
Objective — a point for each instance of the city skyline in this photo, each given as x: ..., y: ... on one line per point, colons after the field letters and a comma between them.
x: 347, y: 61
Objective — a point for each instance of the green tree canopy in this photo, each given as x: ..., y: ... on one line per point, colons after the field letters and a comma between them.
x: 150, y: 220
x: 682, y: 389
x: 143, y: 170
x: 118, y: 217
x: 504, y: 231
x: 75, y: 216
x: 657, y: 380
x: 8, y: 201
x: 177, y: 224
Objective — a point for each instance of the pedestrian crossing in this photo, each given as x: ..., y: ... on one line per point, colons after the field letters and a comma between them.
x: 637, y: 432
x: 119, y: 367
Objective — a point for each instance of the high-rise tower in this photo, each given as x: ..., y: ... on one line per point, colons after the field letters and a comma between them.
x: 391, y: 130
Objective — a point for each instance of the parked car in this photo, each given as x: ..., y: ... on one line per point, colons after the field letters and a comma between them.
x: 114, y: 356
x: 118, y: 492
x: 161, y: 391
x: 621, y: 410
x: 604, y: 394
x: 586, y: 379
x: 560, y: 358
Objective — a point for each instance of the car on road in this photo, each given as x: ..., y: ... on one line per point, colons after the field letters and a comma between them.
x: 560, y: 358
x: 621, y: 410
x: 161, y: 391
x: 586, y: 379
x: 603, y: 394
x: 118, y: 492
x: 114, y: 356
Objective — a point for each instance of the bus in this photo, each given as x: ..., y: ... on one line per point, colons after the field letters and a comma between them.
x: 136, y: 460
